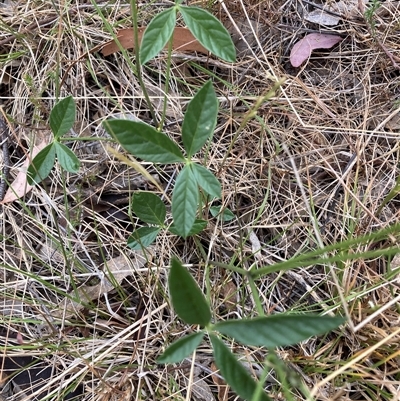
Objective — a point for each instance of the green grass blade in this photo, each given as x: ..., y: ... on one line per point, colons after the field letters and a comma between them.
x: 187, y: 298
x: 206, y: 180
x: 142, y: 140
x: 393, y: 193
x: 67, y: 158
x: 143, y: 237
x: 182, y: 348
x: 233, y: 371
x: 343, y: 249
x: 184, y: 201
x: 277, y: 330
x: 157, y: 34
x: 149, y: 208
x: 210, y: 32
x: 296, y: 262
x: 41, y: 165
x: 200, y: 119
x: 62, y: 116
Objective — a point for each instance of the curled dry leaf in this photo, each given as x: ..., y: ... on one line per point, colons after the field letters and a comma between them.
x: 301, y: 51
x: 20, y: 186
x: 183, y: 40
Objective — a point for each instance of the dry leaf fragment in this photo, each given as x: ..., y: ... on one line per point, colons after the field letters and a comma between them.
x: 183, y: 40
x: 229, y: 292
x: 117, y: 267
x: 200, y: 388
x: 332, y: 14
x: 301, y: 51
x: 255, y: 245
x: 223, y: 388
x: 322, y: 18
x: 20, y: 186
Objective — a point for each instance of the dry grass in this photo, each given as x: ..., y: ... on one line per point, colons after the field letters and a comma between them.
x: 331, y: 133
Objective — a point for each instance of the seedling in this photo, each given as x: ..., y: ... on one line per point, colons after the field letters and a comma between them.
x: 62, y: 118
x: 152, y: 145
x: 268, y: 331
x: 147, y: 143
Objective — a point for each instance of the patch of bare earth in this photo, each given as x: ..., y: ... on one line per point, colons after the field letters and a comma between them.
x: 313, y: 167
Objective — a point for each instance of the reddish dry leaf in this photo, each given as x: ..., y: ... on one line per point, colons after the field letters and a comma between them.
x: 302, y: 49
x: 20, y: 186
x: 183, y: 40
x: 20, y: 339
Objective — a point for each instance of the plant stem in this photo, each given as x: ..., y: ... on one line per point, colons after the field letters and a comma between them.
x: 256, y: 297
x: 134, y: 13
x: 166, y: 89
x: 230, y: 267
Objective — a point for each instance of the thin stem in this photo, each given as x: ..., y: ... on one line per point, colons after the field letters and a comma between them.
x: 207, y: 269
x: 256, y: 297
x: 134, y: 12
x: 166, y: 89
x: 229, y: 267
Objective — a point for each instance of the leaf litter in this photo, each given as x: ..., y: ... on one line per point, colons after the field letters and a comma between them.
x: 302, y: 50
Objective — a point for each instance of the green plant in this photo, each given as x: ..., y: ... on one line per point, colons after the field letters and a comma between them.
x: 148, y: 143
x: 370, y: 13
x: 268, y: 331
x: 194, y: 185
x: 62, y: 118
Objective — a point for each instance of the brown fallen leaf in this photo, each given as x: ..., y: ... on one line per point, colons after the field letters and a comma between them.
x: 20, y: 186
x: 117, y: 269
x: 228, y: 293
x: 183, y: 41
x: 223, y: 388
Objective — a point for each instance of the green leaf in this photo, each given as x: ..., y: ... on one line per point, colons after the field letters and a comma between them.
x: 142, y: 140
x: 210, y: 32
x: 67, y: 158
x: 182, y: 348
x: 143, y: 237
x: 41, y: 165
x: 184, y: 201
x: 157, y: 34
x: 62, y: 116
x: 227, y: 215
x: 206, y: 180
x: 277, y: 330
x: 149, y: 208
x: 198, y: 226
x: 200, y: 119
x: 233, y: 371
x: 186, y: 297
